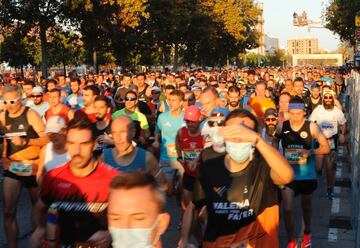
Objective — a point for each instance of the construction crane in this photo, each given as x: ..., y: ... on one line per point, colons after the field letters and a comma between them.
x: 303, y: 21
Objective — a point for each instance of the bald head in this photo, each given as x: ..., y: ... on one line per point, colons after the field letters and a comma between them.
x: 123, y: 132
x: 209, y: 100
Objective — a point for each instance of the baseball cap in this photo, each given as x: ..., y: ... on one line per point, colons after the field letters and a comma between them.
x: 223, y: 112
x: 192, y: 113
x: 270, y: 111
x: 328, y: 92
x: 54, y: 124
x: 196, y: 87
x: 37, y: 90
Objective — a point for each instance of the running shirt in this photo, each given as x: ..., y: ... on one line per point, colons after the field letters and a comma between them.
x: 136, y: 116
x: 20, y: 126
x: 328, y: 120
x: 139, y: 162
x: 142, y: 94
x: 78, y: 204
x: 75, y: 102
x: 40, y: 109
x: 52, y: 159
x: 82, y: 113
x: 312, y: 105
x: 242, y: 207
x: 293, y: 144
x: 168, y: 125
x: 64, y: 113
x: 191, y: 148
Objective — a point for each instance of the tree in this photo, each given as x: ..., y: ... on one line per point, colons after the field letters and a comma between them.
x: 340, y: 18
x: 278, y: 58
x: 35, y: 13
x: 64, y: 47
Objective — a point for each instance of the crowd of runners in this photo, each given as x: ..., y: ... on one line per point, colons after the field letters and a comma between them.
x: 100, y: 154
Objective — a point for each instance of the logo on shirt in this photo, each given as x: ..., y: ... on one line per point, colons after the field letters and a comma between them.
x: 286, y: 132
x: 167, y: 124
x: 21, y: 126
x: 303, y: 134
x: 192, y: 145
x: 220, y: 190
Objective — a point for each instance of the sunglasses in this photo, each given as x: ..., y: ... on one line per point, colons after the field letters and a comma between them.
x: 11, y: 101
x: 328, y: 97
x: 130, y: 99
x: 36, y: 96
x: 155, y: 92
x: 271, y: 119
x: 191, y: 122
x: 219, y: 123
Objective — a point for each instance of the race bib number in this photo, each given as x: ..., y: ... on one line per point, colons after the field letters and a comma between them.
x: 293, y: 156
x: 171, y: 150
x: 331, y: 143
x: 21, y: 169
x: 191, y: 155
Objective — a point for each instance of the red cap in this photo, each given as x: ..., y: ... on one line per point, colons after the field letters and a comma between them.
x: 192, y: 113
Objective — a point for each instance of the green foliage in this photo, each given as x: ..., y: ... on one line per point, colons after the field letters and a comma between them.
x: 340, y: 18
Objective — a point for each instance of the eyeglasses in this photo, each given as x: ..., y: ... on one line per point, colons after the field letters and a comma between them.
x: 271, y: 119
x: 36, y: 96
x: 130, y: 99
x: 11, y: 101
x: 328, y: 97
x: 218, y: 123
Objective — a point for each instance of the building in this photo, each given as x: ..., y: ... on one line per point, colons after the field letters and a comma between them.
x: 306, y: 45
x: 261, y: 29
x: 271, y: 44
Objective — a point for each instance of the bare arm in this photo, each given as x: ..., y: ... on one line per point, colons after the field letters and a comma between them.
x: 39, y: 127
x: 71, y: 115
x: 41, y: 168
x: 178, y: 143
x: 324, y: 147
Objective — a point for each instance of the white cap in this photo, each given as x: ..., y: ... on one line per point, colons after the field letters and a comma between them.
x: 54, y: 124
x: 37, y: 90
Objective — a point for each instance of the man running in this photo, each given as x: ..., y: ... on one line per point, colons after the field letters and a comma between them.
x: 57, y: 108
x: 329, y: 117
x: 24, y: 132
x: 38, y: 104
x: 297, y: 137
x: 74, y: 196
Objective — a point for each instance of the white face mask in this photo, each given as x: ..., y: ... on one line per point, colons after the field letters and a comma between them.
x: 133, y: 237
x: 217, y: 140
x: 239, y: 152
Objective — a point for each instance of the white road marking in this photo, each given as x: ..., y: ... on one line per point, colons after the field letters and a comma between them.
x: 335, y: 207
x: 332, y: 234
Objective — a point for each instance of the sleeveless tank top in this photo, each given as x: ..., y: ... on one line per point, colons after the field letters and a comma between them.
x: 63, y: 113
x: 52, y: 159
x: 20, y: 126
x: 137, y: 163
x: 142, y: 95
x: 293, y: 143
x: 191, y: 148
x: 314, y: 105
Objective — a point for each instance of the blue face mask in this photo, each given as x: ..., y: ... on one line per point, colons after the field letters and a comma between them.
x: 239, y: 152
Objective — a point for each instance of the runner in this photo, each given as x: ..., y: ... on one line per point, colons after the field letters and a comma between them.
x: 54, y: 153
x: 74, y: 196
x: 239, y: 188
x: 329, y: 117
x: 166, y: 128
x: 89, y: 94
x: 20, y: 154
x: 102, y: 125
x: 57, y: 108
x: 136, y: 211
x: 37, y: 103
x: 74, y: 100
x: 297, y: 136
x: 125, y: 156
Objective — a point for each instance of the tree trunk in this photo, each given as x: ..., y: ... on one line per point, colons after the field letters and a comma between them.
x: 22, y: 71
x: 95, y: 61
x: 43, y: 50
x: 64, y: 67
x: 163, y: 59
x: 176, y: 57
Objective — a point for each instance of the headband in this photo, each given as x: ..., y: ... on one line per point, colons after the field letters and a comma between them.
x: 296, y: 106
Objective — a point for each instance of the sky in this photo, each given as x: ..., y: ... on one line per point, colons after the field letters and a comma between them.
x: 278, y: 15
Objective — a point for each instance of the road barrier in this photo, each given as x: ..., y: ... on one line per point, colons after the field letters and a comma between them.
x: 353, y: 109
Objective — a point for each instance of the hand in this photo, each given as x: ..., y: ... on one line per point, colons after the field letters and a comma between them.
x: 342, y: 139
x: 17, y: 141
x: 101, y: 239
x: 37, y: 238
x: 239, y: 132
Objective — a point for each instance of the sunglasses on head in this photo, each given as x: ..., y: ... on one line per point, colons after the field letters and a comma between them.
x: 271, y: 119
x: 328, y: 97
x: 130, y: 99
x: 11, y: 101
x: 218, y: 123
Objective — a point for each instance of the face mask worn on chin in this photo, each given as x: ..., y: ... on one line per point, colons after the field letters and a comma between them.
x: 239, y: 152
x: 133, y: 237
